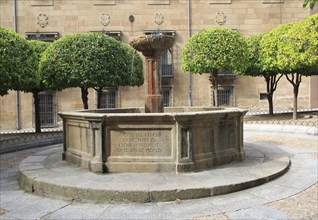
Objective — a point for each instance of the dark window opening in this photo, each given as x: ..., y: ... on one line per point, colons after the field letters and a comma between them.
x: 166, y: 63
x: 262, y: 96
x: 47, y: 108
x: 109, y: 98
x: 225, y: 96
x: 42, y: 36
x: 114, y: 34
x: 166, y: 96
x: 226, y: 73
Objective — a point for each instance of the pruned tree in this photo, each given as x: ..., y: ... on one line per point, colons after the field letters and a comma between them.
x: 311, y: 3
x: 214, y: 50
x: 18, y: 63
x: 262, y: 50
x: 131, y: 69
x: 85, y: 60
x: 297, y: 53
x: 39, y: 47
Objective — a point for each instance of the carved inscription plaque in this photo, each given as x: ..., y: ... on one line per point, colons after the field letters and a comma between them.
x: 140, y: 143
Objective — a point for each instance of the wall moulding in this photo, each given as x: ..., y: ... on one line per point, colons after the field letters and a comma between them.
x: 159, y: 2
x: 104, y: 2
x: 272, y: 1
x: 41, y: 2
x: 212, y: 2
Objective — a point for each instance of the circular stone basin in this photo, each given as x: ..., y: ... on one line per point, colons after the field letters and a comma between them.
x: 152, y: 43
x: 128, y: 140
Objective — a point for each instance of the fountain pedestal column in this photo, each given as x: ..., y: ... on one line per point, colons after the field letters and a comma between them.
x: 153, y: 97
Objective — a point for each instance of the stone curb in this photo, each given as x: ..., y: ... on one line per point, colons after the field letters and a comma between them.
x: 45, y: 174
x: 282, y: 128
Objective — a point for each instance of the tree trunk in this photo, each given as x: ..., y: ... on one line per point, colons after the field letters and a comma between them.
x: 270, y: 103
x: 214, y: 79
x: 37, y: 111
x: 296, y: 89
x: 271, y: 85
x: 85, y: 97
x: 99, y: 91
x: 295, y: 80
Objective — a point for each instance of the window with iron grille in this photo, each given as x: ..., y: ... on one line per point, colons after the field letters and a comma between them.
x: 109, y: 98
x: 166, y: 63
x: 166, y: 96
x: 42, y: 36
x: 226, y: 73
x: 225, y: 96
x: 47, y: 108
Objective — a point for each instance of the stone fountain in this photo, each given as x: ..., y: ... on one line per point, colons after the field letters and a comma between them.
x: 153, y: 139
x: 158, y: 145
x: 152, y: 47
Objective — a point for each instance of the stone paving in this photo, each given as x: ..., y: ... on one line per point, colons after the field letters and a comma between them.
x: 292, y: 196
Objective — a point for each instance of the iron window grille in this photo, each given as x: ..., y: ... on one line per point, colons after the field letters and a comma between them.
x: 225, y: 95
x: 42, y: 36
x: 47, y: 109
x: 109, y: 98
x: 226, y: 73
x: 166, y: 96
x: 167, y: 63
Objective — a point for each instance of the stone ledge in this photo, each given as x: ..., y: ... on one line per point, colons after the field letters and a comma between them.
x: 60, y: 179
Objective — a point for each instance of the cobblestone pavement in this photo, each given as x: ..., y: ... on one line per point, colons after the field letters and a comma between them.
x: 298, y: 205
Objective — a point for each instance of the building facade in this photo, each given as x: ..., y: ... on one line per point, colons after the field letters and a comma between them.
x: 49, y: 20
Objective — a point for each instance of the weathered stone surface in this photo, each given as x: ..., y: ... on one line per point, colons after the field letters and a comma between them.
x: 149, y: 45
x: 59, y: 179
x: 177, y: 141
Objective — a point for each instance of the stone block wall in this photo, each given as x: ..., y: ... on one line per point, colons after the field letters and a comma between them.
x: 68, y: 17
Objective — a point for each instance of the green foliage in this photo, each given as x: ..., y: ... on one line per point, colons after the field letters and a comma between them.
x: 39, y: 47
x: 213, y: 50
x: 305, y: 44
x: 134, y: 72
x: 254, y: 49
x: 271, y: 43
x: 311, y: 3
x: 292, y: 47
x: 85, y: 60
x: 18, y: 63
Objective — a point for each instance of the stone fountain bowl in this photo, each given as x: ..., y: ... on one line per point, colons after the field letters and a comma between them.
x: 175, y: 141
x: 151, y: 43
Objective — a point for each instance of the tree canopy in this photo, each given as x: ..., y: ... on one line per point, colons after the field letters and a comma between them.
x: 39, y: 47
x: 298, y: 53
x: 18, y: 62
x: 311, y: 3
x: 291, y: 49
x: 257, y: 66
x: 254, y: 49
x: 213, y: 50
x: 271, y: 43
x: 86, y: 60
x: 134, y: 71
